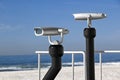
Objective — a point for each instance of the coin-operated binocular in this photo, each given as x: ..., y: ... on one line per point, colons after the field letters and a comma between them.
x: 89, y: 34
x: 55, y: 49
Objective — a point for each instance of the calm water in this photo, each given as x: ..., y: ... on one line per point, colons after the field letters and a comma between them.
x: 26, y: 62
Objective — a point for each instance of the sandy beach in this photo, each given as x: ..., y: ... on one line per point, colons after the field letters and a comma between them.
x: 110, y: 72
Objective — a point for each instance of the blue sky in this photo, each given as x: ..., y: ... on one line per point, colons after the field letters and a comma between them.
x: 19, y: 17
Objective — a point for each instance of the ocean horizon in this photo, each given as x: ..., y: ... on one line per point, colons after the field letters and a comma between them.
x: 29, y: 62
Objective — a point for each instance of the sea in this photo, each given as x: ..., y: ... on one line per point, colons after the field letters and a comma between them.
x: 29, y: 62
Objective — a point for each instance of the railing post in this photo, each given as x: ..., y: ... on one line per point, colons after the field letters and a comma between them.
x: 39, y: 67
x: 84, y: 61
x: 100, y: 61
x: 72, y: 66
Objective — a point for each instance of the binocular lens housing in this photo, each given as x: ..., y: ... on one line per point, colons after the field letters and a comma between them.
x: 49, y: 31
x: 92, y: 16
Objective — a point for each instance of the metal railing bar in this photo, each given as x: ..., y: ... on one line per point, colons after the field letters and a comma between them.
x: 112, y: 51
x: 72, y: 66
x: 84, y: 60
x: 41, y: 52
x: 100, y: 62
x: 67, y: 52
x: 84, y: 66
x: 39, y: 67
x: 74, y: 52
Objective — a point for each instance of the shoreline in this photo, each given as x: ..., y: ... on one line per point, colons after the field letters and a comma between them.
x: 76, y: 64
x: 110, y: 72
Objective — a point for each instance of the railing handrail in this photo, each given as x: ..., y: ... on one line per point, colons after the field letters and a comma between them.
x: 111, y: 51
x: 66, y: 52
x: 82, y: 51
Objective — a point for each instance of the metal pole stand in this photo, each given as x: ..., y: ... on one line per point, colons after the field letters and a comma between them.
x: 56, y: 52
x: 55, y: 48
x: 89, y: 34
